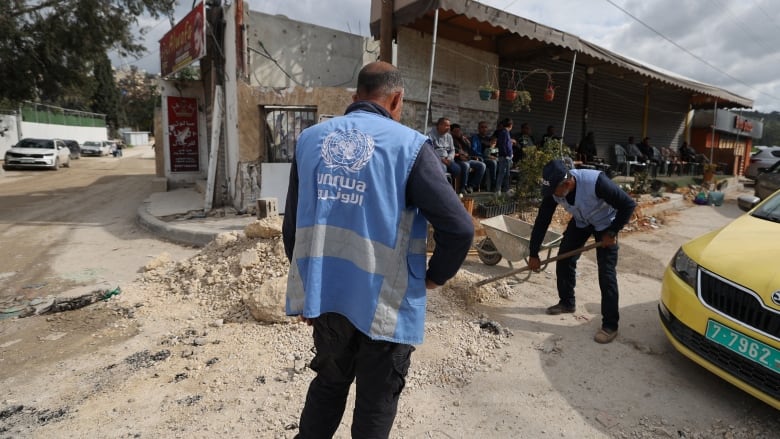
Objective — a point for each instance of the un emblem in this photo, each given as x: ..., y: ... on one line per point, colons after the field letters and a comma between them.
x: 776, y: 298
x: 348, y: 150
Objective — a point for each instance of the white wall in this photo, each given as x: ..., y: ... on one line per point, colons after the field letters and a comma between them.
x: 9, y: 126
x: 48, y: 131
x: 10, y: 134
x: 313, y: 56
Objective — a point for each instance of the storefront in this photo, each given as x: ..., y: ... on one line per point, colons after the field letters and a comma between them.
x: 733, y: 138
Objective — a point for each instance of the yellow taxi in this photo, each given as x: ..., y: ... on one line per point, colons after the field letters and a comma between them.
x: 720, y: 300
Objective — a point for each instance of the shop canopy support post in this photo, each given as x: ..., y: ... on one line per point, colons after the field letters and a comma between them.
x: 430, y: 76
x: 568, y: 98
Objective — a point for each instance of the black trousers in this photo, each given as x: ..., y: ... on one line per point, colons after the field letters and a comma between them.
x: 343, y: 355
x: 566, y: 272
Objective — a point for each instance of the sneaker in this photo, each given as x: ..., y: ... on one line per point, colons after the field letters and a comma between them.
x: 561, y: 309
x: 469, y: 190
x: 605, y: 336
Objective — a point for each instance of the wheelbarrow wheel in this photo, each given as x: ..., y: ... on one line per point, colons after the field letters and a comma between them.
x: 488, y: 253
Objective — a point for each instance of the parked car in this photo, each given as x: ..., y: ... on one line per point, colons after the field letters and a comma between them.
x: 763, y: 158
x: 768, y: 182
x: 720, y: 301
x: 75, y: 149
x: 95, y: 147
x: 37, y: 153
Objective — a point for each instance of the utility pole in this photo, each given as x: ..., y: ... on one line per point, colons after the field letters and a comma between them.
x: 386, y: 31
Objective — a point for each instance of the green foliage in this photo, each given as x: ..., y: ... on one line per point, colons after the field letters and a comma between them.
x: 106, y: 97
x: 139, y: 95
x: 529, y: 188
x: 49, y: 49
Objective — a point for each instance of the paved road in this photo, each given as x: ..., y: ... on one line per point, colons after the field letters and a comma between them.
x: 76, y: 226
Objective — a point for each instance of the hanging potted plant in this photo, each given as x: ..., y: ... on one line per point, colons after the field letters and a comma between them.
x: 495, y: 94
x: 485, y: 91
x: 510, y: 93
x: 523, y: 101
x: 549, y: 92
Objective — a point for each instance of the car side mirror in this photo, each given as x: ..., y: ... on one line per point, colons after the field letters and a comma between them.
x: 747, y: 202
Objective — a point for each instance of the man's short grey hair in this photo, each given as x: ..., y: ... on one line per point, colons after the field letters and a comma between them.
x: 379, y: 83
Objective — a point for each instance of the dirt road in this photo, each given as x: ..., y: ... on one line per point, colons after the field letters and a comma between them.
x: 177, y: 355
x: 76, y: 225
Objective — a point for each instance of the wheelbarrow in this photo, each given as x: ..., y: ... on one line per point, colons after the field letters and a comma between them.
x: 510, y: 238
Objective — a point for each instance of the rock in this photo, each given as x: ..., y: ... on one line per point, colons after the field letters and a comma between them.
x: 224, y: 239
x: 264, y: 228
x: 266, y: 304
x: 248, y: 259
x: 158, y: 262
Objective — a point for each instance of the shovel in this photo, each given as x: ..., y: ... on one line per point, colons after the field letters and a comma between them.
x: 553, y: 259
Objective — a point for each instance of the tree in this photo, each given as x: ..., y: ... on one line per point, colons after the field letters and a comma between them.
x: 106, y: 97
x: 139, y: 94
x: 49, y: 48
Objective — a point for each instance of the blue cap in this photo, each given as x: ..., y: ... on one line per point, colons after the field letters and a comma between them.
x: 553, y: 173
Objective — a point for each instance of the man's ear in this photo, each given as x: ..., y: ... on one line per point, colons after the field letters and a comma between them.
x: 396, y: 103
x: 354, y: 97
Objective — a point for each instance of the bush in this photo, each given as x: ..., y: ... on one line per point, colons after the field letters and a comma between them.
x: 529, y: 188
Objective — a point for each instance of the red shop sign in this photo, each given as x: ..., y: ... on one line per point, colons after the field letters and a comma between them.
x: 185, y: 43
x: 183, y: 134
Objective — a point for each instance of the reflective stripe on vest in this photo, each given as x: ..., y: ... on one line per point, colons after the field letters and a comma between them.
x: 391, y: 264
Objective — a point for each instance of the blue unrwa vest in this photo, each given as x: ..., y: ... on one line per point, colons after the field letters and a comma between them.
x: 359, y: 250
x: 588, y: 209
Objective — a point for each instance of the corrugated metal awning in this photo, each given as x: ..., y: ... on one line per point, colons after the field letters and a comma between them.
x: 500, y: 32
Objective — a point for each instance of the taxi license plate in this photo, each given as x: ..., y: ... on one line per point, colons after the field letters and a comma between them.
x: 749, y: 348
x: 27, y: 160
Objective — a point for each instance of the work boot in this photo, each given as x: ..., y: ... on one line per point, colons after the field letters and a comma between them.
x: 561, y: 308
x: 605, y: 335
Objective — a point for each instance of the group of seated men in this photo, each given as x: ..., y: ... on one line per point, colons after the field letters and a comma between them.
x: 483, y: 160
x: 664, y: 158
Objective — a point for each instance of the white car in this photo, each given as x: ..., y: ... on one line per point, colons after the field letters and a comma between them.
x: 38, y: 153
x: 95, y: 147
x: 764, y: 158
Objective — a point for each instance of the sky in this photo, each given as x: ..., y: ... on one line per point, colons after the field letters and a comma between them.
x: 733, y: 44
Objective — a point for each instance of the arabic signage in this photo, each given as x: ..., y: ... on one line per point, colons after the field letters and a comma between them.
x: 185, y: 43
x: 743, y: 124
x: 183, y: 134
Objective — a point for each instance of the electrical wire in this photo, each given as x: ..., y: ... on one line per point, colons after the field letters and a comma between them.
x: 702, y: 60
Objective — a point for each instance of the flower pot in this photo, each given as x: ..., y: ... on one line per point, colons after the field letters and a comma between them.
x: 495, y: 94
x: 509, y: 95
x: 484, y: 94
x: 495, y: 210
x: 716, y: 198
x: 709, y: 176
x: 549, y: 93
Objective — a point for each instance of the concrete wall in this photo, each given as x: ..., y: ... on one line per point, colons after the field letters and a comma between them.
x: 44, y: 131
x: 459, y: 71
x: 302, y: 54
x: 313, y: 67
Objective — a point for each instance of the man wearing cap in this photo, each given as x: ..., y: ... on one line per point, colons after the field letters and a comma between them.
x: 599, y: 208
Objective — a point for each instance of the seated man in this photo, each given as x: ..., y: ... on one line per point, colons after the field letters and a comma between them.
x: 467, y: 157
x: 525, y: 141
x: 484, y: 146
x: 443, y: 145
x: 633, y: 151
x: 586, y: 151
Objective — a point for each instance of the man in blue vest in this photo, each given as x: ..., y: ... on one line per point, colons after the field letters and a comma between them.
x: 361, y: 189
x: 598, y: 207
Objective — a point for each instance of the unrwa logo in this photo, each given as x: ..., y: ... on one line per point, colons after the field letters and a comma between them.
x: 349, y: 150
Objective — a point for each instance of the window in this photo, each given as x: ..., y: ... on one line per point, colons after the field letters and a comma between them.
x: 283, y: 125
